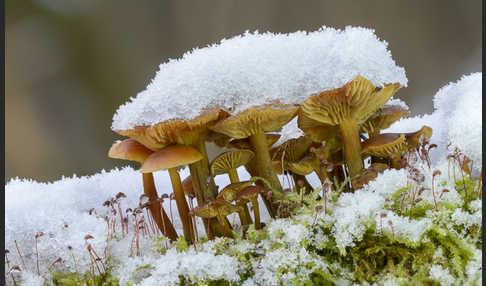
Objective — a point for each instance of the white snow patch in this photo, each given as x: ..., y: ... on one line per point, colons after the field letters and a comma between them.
x: 254, y: 69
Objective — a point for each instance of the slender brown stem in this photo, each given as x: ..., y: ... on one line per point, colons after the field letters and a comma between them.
x: 224, y: 222
x: 181, y: 204
x: 352, y: 147
x: 156, y: 209
x: 264, y: 166
x: 204, y: 191
x: 256, y: 212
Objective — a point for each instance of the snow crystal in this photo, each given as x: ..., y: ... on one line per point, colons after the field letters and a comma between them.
x: 397, y: 102
x: 441, y: 274
x: 354, y: 210
x: 411, y: 230
x: 61, y: 211
x: 456, y: 119
x: 289, y: 131
x: 465, y: 123
x: 193, y: 266
x: 254, y: 69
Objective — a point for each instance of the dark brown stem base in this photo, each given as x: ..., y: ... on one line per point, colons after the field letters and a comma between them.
x: 163, y: 222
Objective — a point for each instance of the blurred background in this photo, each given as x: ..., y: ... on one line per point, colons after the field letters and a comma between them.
x: 70, y: 64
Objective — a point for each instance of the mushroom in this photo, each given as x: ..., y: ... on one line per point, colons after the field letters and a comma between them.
x: 369, y: 174
x: 413, y: 138
x: 253, y: 123
x: 291, y: 151
x: 348, y: 107
x: 217, y: 208
x: 390, y: 145
x: 229, y: 161
x: 229, y: 194
x: 316, y: 130
x: 247, y: 194
x: 383, y: 119
x: 192, y: 132
x: 130, y: 149
x: 188, y: 187
x: 170, y: 158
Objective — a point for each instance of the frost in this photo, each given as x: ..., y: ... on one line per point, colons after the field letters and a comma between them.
x: 61, y: 211
x: 354, y: 210
x: 289, y: 131
x: 254, y: 69
x: 192, y: 266
x: 441, y: 274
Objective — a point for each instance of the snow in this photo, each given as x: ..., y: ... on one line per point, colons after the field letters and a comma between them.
x: 258, y: 68
x: 457, y: 119
x: 60, y: 209
x: 290, y: 131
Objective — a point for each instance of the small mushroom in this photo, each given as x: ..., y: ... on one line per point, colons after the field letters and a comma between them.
x: 369, y: 174
x: 413, y: 138
x: 250, y: 194
x: 188, y: 187
x: 217, y: 208
x: 383, y: 119
x: 229, y: 194
x: 192, y: 132
x: 348, y: 107
x: 386, y: 145
x: 130, y: 149
x: 253, y: 123
x: 170, y: 158
x: 229, y: 161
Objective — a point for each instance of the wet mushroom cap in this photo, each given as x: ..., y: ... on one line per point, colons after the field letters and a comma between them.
x: 384, y: 118
x: 229, y: 192
x: 215, y: 208
x: 294, y: 149
x: 357, y: 100
x: 129, y: 149
x: 413, y: 138
x: 248, y: 193
x: 304, y: 166
x: 230, y: 160
x: 171, y: 157
x: 185, y: 132
x: 317, y: 131
x: 369, y: 174
x: 384, y: 145
x: 187, y: 187
x: 264, y: 118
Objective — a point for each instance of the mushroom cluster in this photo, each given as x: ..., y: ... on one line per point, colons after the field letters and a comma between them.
x: 339, y: 129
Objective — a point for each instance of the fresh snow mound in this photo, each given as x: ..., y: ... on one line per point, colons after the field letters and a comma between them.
x: 258, y: 68
x: 456, y: 119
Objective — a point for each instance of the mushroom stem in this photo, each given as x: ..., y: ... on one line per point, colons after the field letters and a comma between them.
x: 156, y: 209
x: 256, y: 212
x: 352, y: 147
x: 224, y: 222
x: 264, y: 165
x: 233, y: 175
x: 181, y: 204
x: 200, y: 173
x: 245, y: 217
